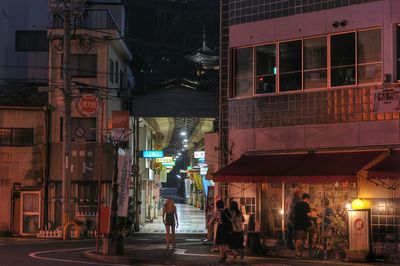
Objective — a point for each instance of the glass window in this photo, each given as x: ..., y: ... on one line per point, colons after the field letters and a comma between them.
x: 290, y: 63
x: 16, y: 137
x: 369, y: 56
x: 398, y: 52
x: 31, y: 41
x: 5, y: 136
x: 266, y: 69
x: 83, y: 65
x: 315, y: 66
x: 87, y: 124
x: 111, y: 71
x: 243, y: 72
x: 116, y: 72
x: 343, y: 59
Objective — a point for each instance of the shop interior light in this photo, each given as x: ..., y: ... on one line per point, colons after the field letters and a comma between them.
x: 281, y: 212
x: 348, y: 206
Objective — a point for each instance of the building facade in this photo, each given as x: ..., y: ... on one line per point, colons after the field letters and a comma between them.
x: 101, y: 83
x: 308, y: 77
x: 23, y: 114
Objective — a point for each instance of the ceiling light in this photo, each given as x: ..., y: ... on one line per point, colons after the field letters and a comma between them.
x: 183, y: 133
x: 182, y: 149
x: 179, y: 153
x: 185, y: 145
x: 185, y: 140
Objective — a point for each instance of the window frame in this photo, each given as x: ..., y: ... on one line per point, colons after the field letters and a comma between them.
x: 370, y: 63
x: 327, y: 63
x: 355, y: 60
x: 396, y: 51
x: 111, y: 66
x: 328, y: 68
x: 255, y: 69
x: 22, y: 143
x: 278, y: 65
x: 234, y: 73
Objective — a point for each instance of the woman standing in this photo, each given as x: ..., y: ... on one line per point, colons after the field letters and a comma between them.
x: 236, y: 238
x: 170, y: 218
x: 221, y: 216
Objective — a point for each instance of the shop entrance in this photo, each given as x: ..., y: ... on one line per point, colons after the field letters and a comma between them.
x: 30, y: 213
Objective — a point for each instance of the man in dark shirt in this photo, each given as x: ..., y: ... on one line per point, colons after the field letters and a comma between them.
x: 302, y: 222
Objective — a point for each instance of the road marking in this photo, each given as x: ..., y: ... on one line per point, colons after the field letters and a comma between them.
x: 38, y: 242
x: 35, y: 255
x: 179, y: 251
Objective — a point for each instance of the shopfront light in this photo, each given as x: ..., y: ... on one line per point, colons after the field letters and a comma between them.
x: 359, y: 204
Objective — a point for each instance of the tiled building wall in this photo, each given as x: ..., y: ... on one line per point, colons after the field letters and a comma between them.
x: 243, y: 11
x: 322, y: 107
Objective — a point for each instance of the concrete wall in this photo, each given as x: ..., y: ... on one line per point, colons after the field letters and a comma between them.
x: 355, y: 134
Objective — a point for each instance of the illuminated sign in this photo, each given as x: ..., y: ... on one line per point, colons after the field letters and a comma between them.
x: 152, y: 154
x: 165, y: 160
x: 199, y: 154
x: 168, y: 164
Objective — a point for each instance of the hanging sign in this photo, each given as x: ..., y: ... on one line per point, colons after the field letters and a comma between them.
x: 199, y: 154
x: 151, y: 154
x: 124, y: 183
x: 165, y: 160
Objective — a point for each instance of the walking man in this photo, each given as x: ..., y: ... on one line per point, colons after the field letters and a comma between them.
x: 302, y: 223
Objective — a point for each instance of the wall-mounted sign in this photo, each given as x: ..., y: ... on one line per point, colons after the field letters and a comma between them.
x: 151, y: 154
x: 387, y: 100
x: 199, y: 154
x: 120, y: 119
x: 87, y: 104
x: 165, y: 160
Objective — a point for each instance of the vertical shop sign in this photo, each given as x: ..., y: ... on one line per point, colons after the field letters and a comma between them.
x: 163, y: 176
x: 359, y: 230
x: 124, y: 183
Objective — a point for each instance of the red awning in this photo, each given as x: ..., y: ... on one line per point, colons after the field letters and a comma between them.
x: 320, y: 167
x: 387, y: 168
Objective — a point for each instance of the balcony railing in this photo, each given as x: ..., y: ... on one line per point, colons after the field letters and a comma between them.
x: 99, y: 19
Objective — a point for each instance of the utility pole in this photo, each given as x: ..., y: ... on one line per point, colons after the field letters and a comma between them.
x: 67, y: 8
x: 66, y: 173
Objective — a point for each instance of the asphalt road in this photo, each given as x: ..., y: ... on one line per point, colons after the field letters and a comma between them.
x: 142, y: 249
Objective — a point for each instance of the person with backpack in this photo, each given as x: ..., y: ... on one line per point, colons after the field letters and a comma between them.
x: 170, y: 219
x: 236, y: 237
x: 224, y: 225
